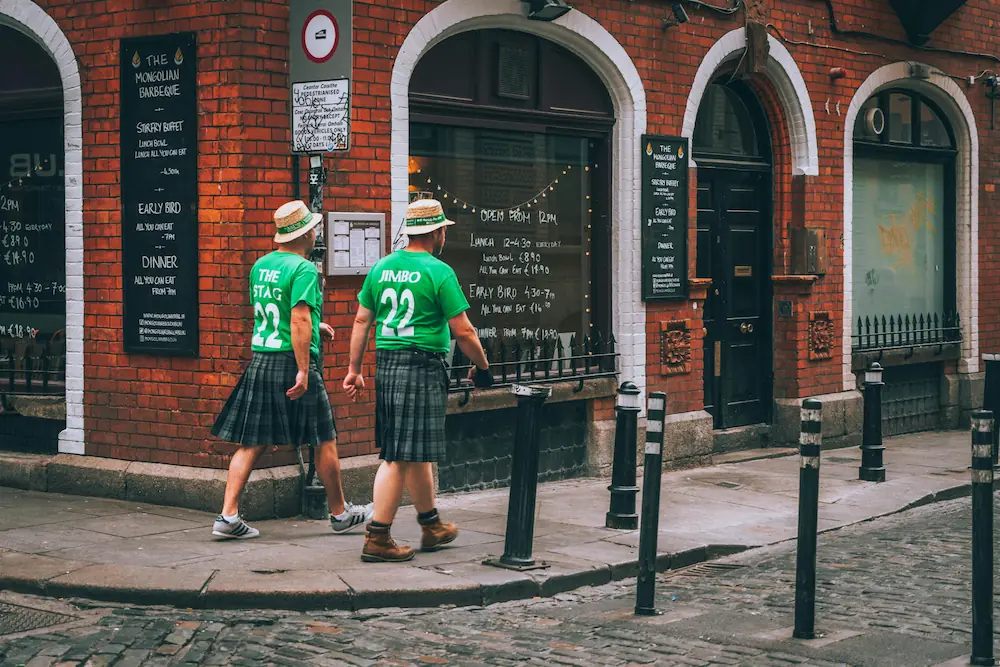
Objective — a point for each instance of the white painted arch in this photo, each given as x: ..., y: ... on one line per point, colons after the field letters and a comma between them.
x: 947, y: 94
x: 30, y: 19
x: 782, y: 71
x: 585, y: 37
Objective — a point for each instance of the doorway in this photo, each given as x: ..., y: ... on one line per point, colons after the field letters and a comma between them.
x: 734, y: 226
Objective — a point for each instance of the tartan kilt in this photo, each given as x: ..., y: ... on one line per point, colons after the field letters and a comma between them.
x: 259, y: 414
x: 411, y: 400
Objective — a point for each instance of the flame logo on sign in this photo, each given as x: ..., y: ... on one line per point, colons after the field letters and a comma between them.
x: 649, y: 149
x: 178, y: 56
x: 136, y: 60
x: 680, y: 152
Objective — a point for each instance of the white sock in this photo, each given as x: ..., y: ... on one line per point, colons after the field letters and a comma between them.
x: 230, y: 519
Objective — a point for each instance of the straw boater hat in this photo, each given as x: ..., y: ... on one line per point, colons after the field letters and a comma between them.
x: 424, y: 216
x: 293, y: 220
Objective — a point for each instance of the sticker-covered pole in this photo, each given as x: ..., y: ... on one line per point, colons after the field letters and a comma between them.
x: 649, y: 527
x: 810, y: 444
x: 982, y: 538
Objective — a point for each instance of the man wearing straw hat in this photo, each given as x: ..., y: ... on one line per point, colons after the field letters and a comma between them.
x: 281, y: 399
x: 412, y: 298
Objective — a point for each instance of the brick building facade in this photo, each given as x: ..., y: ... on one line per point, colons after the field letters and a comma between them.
x: 788, y: 84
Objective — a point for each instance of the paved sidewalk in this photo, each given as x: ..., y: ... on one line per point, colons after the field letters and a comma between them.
x: 114, y: 550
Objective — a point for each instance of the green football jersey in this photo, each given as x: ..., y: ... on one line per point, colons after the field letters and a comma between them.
x: 279, y: 281
x: 413, y: 295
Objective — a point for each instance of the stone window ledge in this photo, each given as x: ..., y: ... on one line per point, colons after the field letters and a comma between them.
x: 39, y: 407
x: 906, y: 356
x: 500, y: 398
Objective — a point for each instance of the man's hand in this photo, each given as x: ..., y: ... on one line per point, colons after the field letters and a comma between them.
x: 481, y: 378
x: 354, y: 385
x: 325, y: 331
x: 301, y: 385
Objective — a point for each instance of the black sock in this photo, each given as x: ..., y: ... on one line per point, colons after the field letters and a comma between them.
x: 427, y: 517
x: 375, y: 524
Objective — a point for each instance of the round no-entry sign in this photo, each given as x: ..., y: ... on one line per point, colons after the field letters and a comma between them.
x: 320, y: 36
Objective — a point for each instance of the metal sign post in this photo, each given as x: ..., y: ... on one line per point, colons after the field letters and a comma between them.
x: 321, y: 49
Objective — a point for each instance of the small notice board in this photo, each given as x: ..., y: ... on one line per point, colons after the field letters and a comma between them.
x: 355, y: 242
x: 664, y: 217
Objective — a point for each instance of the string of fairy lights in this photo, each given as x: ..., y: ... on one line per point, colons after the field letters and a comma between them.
x: 19, y: 181
x: 447, y: 197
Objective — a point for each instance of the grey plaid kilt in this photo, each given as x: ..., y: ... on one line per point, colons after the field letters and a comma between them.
x: 411, y: 400
x: 259, y: 414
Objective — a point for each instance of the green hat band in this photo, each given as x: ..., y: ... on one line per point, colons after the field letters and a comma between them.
x: 296, y: 226
x: 423, y: 222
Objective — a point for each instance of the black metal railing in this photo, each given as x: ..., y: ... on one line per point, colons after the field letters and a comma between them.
x: 905, y: 331
x: 517, y: 361
x: 32, y: 366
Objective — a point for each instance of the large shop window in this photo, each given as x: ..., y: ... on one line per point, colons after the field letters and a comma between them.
x: 904, y: 225
x: 510, y: 132
x: 32, y: 220
x: 522, y: 243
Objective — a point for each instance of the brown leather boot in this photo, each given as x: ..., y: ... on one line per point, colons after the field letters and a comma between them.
x: 437, y: 534
x: 381, y: 548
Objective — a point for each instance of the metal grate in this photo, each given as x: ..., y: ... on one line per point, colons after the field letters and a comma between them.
x: 703, y: 570
x: 15, y: 618
x: 841, y: 459
x: 514, y: 66
x: 728, y: 485
x: 911, y: 399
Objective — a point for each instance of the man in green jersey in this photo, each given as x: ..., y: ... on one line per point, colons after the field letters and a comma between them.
x: 281, y: 398
x: 412, y: 298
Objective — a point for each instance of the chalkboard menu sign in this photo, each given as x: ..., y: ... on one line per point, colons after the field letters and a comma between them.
x: 159, y: 177
x: 664, y: 217
x: 32, y: 230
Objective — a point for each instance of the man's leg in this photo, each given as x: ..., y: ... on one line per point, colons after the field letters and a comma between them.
x: 379, y: 545
x: 328, y: 470
x: 435, y: 533
x: 420, y: 483
x: 389, y: 482
x: 240, y: 467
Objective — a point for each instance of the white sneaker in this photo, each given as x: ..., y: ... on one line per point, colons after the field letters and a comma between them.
x: 353, y: 516
x: 237, y: 529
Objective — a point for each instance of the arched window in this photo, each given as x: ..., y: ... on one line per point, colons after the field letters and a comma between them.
x: 902, y: 118
x: 32, y: 218
x: 903, y: 252
x: 510, y: 132
x: 725, y: 126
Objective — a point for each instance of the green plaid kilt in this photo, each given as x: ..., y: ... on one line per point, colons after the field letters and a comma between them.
x: 411, y: 400
x: 259, y: 414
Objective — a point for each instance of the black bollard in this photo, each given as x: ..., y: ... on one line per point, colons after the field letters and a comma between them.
x: 872, y: 468
x: 523, y: 481
x: 621, y: 514
x: 982, y: 538
x: 810, y: 444
x: 991, y: 396
x: 649, y: 530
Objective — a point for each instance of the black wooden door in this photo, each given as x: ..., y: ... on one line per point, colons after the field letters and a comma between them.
x: 734, y: 230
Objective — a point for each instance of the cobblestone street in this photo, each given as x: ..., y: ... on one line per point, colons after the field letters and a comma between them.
x: 893, y: 591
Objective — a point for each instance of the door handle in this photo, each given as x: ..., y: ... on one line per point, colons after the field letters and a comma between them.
x: 746, y: 328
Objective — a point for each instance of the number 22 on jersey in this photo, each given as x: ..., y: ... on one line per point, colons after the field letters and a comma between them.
x: 402, y: 328
x: 270, y: 320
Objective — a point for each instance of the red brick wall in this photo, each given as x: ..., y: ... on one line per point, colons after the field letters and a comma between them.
x: 157, y: 409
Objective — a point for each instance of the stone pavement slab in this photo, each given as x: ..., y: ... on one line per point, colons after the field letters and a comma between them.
x: 133, y: 551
